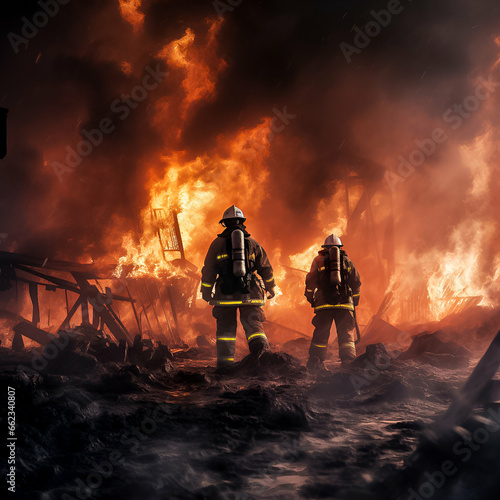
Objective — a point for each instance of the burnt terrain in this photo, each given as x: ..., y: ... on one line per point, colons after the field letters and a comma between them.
x: 177, y: 429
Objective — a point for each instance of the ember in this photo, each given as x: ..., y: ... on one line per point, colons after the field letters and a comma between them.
x: 132, y: 126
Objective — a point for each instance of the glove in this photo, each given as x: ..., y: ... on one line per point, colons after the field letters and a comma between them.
x: 206, y: 294
x: 270, y: 293
x: 355, y: 299
x: 309, y: 296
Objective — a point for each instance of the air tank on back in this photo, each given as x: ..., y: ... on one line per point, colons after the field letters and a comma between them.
x: 238, y: 253
x: 334, y: 260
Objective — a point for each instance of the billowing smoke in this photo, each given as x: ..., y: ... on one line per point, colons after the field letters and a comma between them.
x: 374, y: 111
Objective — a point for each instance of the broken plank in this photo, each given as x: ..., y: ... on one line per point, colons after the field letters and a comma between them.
x: 32, y: 332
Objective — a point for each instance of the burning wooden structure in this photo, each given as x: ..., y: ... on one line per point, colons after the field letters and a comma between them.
x: 152, y: 303
x: 416, y: 307
x: 39, y: 273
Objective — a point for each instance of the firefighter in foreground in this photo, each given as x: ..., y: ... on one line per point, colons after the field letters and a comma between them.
x: 231, y: 264
x: 332, y: 288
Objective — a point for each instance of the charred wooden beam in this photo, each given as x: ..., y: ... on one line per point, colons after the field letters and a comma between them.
x: 17, y: 342
x: 178, y: 235
x: 48, y: 287
x: 165, y: 313
x: 40, y: 262
x: 33, y: 289
x: 32, y: 332
x: 71, y: 313
x: 62, y: 283
x: 151, y: 302
x: 67, y: 285
x: 85, y: 313
x: 474, y: 390
x: 174, y: 314
x: 144, y: 308
x: 440, y: 437
x: 108, y: 316
x: 132, y: 301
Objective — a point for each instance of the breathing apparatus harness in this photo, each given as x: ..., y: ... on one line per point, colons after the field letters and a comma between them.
x: 237, y: 272
x: 335, y: 278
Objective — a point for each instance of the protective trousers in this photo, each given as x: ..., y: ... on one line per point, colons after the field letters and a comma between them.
x: 252, y: 318
x: 344, y: 323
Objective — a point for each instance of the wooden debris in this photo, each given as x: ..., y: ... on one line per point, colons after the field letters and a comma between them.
x: 30, y: 331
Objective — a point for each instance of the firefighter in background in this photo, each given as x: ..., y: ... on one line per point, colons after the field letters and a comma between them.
x: 332, y: 288
x: 231, y: 264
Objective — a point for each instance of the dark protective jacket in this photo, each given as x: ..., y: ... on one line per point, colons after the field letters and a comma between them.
x: 218, y: 271
x: 327, y: 296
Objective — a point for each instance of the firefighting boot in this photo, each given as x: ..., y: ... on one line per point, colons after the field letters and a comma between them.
x: 316, y: 366
x: 258, y: 344
x: 225, y: 351
x: 346, y: 363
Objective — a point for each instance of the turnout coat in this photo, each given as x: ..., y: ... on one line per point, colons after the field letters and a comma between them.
x: 217, y: 272
x: 322, y: 294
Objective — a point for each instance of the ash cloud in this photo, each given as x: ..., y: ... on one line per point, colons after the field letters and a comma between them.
x: 359, y: 116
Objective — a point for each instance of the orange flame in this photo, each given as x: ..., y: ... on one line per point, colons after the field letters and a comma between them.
x: 197, y: 190
x: 199, y: 64
x: 236, y: 171
x: 130, y: 12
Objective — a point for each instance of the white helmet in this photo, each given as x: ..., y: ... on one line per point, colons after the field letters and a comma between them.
x: 332, y: 241
x: 233, y: 212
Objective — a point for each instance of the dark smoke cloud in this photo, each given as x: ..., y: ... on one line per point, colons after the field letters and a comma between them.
x: 357, y: 116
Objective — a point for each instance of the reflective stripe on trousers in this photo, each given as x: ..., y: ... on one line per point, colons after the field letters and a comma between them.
x: 344, y: 323
x: 348, y: 307
x: 251, y: 317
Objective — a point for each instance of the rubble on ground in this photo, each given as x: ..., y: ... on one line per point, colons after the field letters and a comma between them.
x: 429, y: 348
x: 79, y: 350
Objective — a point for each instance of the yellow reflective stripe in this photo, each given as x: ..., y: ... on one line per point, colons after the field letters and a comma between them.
x: 258, y: 334
x: 321, y: 268
x: 348, y: 344
x: 307, y: 290
x: 222, y: 256
x: 337, y: 306
x: 235, y: 302
x: 226, y: 359
x: 226, y: 338
x: 269, y: 281
x: 317, y: 345
x: 208, y: 285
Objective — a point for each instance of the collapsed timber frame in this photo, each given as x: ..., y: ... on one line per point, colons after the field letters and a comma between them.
x: 39, y: 273
x: 31, y: 270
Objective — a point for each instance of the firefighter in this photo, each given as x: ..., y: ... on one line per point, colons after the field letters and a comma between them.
x: 332, y: 288
x: 229, y: 282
